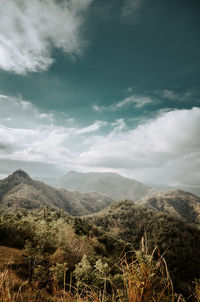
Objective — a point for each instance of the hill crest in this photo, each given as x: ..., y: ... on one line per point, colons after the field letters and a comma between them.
x: 178, y: 203
x: 19, y: 190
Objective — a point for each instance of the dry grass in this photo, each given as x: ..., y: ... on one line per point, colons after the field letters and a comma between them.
x: 9, y: 255
x: 197, y: 290
x: 11, y: 286
x: 145, y: 280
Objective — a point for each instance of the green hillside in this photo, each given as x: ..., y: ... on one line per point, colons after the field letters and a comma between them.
x: 177, y: 240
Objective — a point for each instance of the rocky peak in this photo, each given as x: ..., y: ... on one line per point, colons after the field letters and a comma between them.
x: 19, y: 176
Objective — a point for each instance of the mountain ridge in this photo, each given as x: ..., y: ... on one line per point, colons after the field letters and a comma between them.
x: 111, y: 184
x: 177, y: 203
x: 19, y: 190
x: 194, y: 189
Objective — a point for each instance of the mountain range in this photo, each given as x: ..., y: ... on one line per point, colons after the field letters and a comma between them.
x: 166, y: 221
x: 111, y: 184
x: 188, y: 188
x: 19, y: 190
x: 98, y: 182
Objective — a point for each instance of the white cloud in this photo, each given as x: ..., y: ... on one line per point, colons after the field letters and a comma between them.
x: 29, y: 29
x: 131, y: 7
x: 95, y: 107
x: 136, y: 101
x: 164, y: 149
x: 91, y: 128
x: 174, y: 96
x: 18, y: 112
x: 3, y: 96
x: 48, y: 116
x: 119, y: 125
x: 28, y: 134
x: 129, y: 89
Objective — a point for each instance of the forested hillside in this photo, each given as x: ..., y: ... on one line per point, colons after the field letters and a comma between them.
x: 144, y: 250
x: 55, y: 257
x: 177, y: 203
x: 177, y: 240
x: 19, y: 190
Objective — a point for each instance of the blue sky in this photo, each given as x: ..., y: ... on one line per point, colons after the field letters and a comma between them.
x: 93, y: 85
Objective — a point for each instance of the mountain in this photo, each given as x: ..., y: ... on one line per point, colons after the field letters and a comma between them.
x: 93, y: 242
x: 178, y: 203
x: 178, y: 240
x: 19, y: 190
x: 111, y: 184
x: 188, y: 188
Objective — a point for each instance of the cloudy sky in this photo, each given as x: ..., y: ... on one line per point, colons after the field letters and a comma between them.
x: 95, y: 85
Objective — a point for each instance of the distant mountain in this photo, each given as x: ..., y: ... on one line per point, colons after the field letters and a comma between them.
x: 19, y: 190
x: 178, y: 203
x: 188, y: 188
x: 178, y: 240
x: 111, y: 184
x: 47, y: 180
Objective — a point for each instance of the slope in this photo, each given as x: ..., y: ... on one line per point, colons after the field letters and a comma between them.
x: 179, y: 241
x: 20, y: 191
x: 111, y: 184
x: 178, y: 203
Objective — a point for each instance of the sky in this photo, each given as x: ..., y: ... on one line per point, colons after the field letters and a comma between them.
x: 95, y: 85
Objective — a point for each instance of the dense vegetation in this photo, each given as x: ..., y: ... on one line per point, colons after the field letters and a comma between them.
x: 63, y: 252
x: 179, y: 241
x: 118, y: 254
x: 54, y: 243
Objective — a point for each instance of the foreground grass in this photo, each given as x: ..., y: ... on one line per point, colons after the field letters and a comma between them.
x: 53, y: 258
x: 142, y: 279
